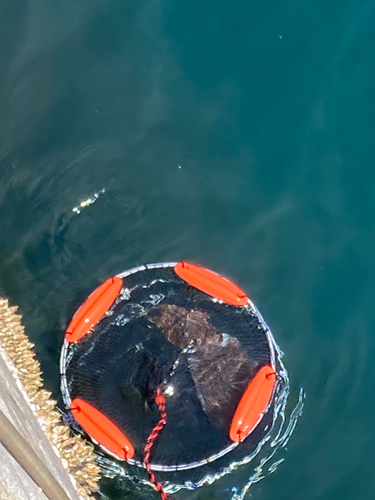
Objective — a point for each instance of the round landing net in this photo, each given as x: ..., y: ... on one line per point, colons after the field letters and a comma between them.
x: 163, y: 334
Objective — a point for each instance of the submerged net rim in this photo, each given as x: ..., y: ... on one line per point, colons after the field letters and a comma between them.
x: 66, y: 356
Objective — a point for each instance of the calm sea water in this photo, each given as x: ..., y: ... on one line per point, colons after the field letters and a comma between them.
x: 239, y: 135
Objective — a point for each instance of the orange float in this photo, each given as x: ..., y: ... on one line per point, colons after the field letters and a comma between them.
x: 211, y: 283
x: 102, y: 429
x: 93, y: 309
x: 253, y: 404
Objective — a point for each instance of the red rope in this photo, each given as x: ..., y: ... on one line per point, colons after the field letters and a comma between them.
x: 160, y: 401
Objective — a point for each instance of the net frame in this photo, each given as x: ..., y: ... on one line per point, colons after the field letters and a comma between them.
x: 66, y: 356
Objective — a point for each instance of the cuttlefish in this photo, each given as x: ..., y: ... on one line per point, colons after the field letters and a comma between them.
x: 218, y: 364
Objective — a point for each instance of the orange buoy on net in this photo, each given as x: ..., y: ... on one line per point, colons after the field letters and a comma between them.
x: 93, y: 309
x: 253, y: 403
x: 102, y: 429
x: 170, y: 369
x: 211, y: 283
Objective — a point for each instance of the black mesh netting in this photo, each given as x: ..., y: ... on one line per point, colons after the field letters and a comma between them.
x: 163, y: 333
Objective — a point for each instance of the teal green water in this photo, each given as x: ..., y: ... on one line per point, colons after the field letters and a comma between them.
x: 239, y: 135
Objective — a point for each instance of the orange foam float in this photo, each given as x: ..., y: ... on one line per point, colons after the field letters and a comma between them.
x: 211, y: 283
x: 102, y: 429
x: 93, y: 309
x: 253, y: 404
